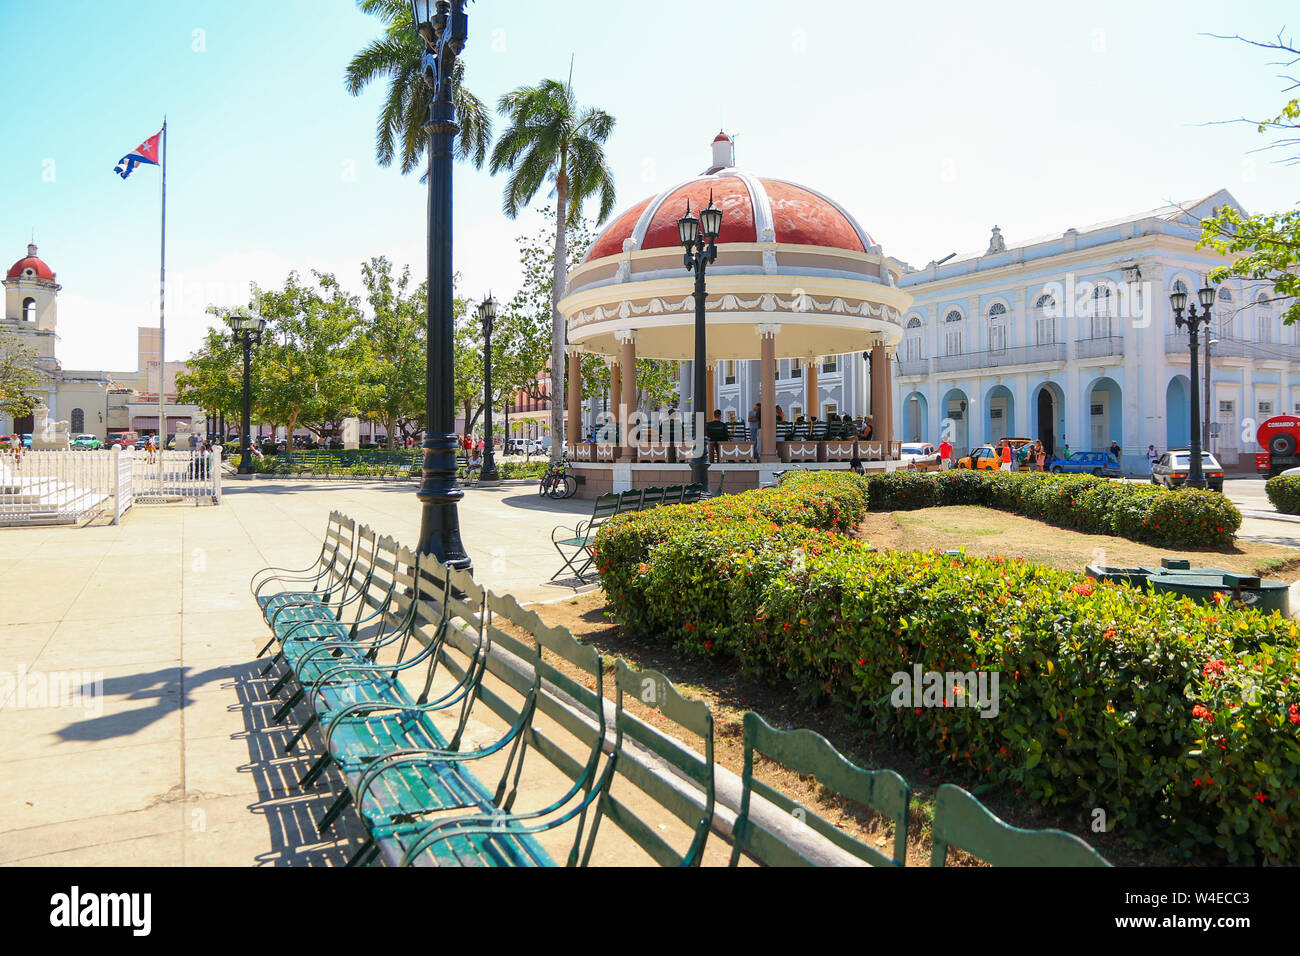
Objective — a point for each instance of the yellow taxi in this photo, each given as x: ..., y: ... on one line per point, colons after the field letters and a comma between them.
x: 984, y: 458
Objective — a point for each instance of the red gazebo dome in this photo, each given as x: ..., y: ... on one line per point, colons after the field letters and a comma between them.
x: 754, y: 209
x: 38, y: 268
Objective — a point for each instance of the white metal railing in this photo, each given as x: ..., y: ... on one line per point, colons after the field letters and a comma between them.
x: 1099, y: 347
x: 61, y: 486
x: 125, y: 488
x: 188, y: 475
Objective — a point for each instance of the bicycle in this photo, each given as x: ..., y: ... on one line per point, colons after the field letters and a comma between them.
x: 557, y: 482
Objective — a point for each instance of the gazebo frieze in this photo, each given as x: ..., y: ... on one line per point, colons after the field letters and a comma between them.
x: 788, y: 307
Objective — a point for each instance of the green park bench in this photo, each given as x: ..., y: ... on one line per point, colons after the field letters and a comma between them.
x: 272, y: 586
x: 808, y: 753
x: 963, y: 822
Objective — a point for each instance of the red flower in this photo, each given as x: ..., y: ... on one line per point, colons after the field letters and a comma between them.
x: 690, y: 627
x: 1201, y: 712
x: 1261, y: 798
x: 1214, y: 667
x: 1084, y: 588
x: 1293, y: 713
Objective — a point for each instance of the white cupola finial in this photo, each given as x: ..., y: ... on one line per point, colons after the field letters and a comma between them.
x: 31, y: 250
x: 724, y: 151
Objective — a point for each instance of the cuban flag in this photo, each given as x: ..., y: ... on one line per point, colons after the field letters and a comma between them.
x: 146, y: 152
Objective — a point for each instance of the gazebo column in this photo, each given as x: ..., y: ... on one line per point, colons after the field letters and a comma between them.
x: 767, y: 333
x: 575, y: 397
x: 882, y: 411
x: 627, y: 398
x: 615, y: 389
x: 811, y: 405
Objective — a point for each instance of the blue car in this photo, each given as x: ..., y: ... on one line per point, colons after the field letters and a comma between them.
x: 1100, y: 463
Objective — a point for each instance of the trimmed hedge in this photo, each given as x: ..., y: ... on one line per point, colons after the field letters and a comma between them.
x: 1180, y: 518
x: 1174, y: 717
x: 1284, y: 492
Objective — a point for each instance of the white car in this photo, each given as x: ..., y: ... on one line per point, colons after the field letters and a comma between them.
x: 919, y: 452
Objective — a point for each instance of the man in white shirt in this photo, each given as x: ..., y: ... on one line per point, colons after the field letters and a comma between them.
x: 1153, y: 456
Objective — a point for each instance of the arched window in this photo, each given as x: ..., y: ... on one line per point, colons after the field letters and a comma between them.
x: 952, y: 334
x: 29, y: 309
x: 77, y: 421
x: 1045, y: 320
x: 1103, y: 310
x: 1263, y: 319
x: 914, y: 340
x: 997, y: 327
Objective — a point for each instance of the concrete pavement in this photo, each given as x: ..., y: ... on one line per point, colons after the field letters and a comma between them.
x: 135, y: 726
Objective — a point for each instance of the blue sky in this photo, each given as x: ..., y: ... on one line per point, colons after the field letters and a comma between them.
x: 930, y: 122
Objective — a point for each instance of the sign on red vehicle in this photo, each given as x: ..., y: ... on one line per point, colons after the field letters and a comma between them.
x: 1280, y: 435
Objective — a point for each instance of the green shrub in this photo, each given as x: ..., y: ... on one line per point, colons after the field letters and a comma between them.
x: 1104, y: 691
x: 1147, y: 513
x: 1284, y: 492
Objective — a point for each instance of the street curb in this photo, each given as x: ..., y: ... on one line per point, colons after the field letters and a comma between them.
x: 1270, y: 516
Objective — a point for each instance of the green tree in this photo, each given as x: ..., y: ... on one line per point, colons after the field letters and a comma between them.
x: 214, y: 376
x: 552, y: 139
x: 400, y: 127
x: 391, y: 379
x: 21, y: 378
x: 1267, y: 245
x: 307, y: 371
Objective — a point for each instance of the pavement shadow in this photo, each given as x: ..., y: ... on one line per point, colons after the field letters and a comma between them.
x: 291, y: 813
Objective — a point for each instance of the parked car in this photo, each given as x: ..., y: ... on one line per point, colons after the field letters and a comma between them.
x: 524, y: 446
x: 1173, y: 467
x: 89, y: 442
x: 920, y: 454
x: 27, y: 439
x: 7, y: 440
x: 126, y: 439
x: 984, y: 458
x: 1100, y: 463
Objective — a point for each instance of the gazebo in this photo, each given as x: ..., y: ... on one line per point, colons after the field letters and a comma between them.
x: 796, y: 276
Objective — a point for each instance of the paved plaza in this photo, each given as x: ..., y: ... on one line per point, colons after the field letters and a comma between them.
x: 174, y: 764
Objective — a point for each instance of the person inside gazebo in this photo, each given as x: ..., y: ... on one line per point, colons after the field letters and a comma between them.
x: 865, y: 433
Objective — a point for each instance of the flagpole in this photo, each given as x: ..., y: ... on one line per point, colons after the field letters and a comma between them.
x: 162, y: 331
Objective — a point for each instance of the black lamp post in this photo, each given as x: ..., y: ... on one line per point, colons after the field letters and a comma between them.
x: 1193, y: 323
x: 699, y: 237
x: 247, y: 331
x: 444, y: 27
x: 487, y: 313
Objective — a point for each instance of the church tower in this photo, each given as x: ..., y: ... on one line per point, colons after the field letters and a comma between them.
x: 31, y: 293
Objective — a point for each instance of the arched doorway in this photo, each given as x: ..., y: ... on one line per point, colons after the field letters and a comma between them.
x: 1000, y: 414
x: 1178, y: 412
x: 1105, y: 414
x: 916, y: 418
x: 953, y: 424
x: 1049, y: 416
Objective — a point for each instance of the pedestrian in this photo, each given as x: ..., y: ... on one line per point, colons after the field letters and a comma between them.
x: 1066, y: 453
x: 1115, y: 449
x: 945, y: 454
x: 1005, y: 453
x: 1153, y: 456
x: 1040, y: 456
x: 780, y: 415
x: 867, y: 429
x: 755, y: 421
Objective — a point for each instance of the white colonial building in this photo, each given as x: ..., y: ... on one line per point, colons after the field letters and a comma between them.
x: 1071, y: 339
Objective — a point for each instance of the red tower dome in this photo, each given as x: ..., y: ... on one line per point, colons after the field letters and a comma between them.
x: 30, y: 267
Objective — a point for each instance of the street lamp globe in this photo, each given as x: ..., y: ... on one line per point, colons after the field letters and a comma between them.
x: 1206, y: 295
x: 487, y: 313
x: 423, y: 13
x: 711, y: 221
x: 1178, y: 300
x: 688, y: 228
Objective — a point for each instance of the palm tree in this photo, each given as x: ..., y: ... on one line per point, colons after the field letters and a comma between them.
x: 401, y: 122
x: 552, y: 139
